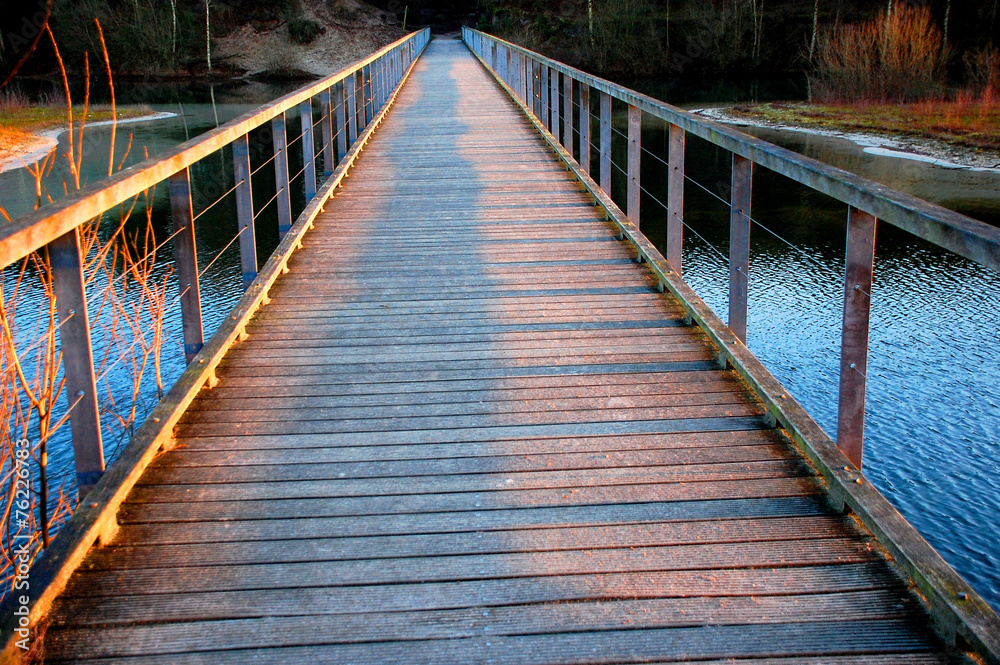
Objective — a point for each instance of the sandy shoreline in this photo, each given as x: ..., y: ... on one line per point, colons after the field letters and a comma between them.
x: 902, y: 147
x: 44, y: 142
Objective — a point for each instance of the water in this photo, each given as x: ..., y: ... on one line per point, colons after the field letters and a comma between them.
x: 933, y: 411
x: 933, y: 423
x: 197, y: 110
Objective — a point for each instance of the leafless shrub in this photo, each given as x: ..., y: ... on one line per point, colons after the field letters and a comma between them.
x: 897, y: 57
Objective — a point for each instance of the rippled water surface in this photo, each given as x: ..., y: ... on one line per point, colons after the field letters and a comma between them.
x: 933, y: 410
x: 933, y: 419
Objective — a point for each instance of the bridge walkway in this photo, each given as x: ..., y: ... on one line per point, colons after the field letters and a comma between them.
x: 469, y: 428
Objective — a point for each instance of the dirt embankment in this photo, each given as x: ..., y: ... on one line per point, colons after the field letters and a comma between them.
x: 349, y: 31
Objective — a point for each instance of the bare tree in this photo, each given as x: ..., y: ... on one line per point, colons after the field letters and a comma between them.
x: 208, y: 35
x: 173, y: 28
x: 812, y: 42
x: 947, y: 15
x: 590, y: 19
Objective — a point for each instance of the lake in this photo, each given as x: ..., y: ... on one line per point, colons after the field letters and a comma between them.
x: 933, y: 416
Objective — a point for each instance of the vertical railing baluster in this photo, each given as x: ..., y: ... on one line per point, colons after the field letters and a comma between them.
x: 568, y: 113
x: 369, y: 96
x: 585, y: 127
x: 739, y: 245
x: 675, y: 197
x: 326, y: 126
x: 858, y: 272
x: 308, y: 149
x: 340, y: 100
x: 66, y: 260
x: 186, y: 261
x: 634, y: 161
x: 244, y: 210
x: 554, y: 103
x: 536, y: 89
x: 543, y: 94
x: 351, y: 100
x: 279, y: 140
x: 605, y: 157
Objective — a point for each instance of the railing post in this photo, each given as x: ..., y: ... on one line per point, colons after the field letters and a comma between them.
x: 279, y: 140
x: 340, y: 100
x: 536, y: 90
x: 326, y: 126
x: 675, y: 197
x: 605, y: 157
x: 351, y: 101
x: 554, y: 103
x: 369, y: 95
x: 634, y: 161
x: 854, y: 333
x: 568, y: 113
x: 186, y: 260
x: 543, y: 93
x: 66, y: 261
x: 739, y: 245
x: 585, y: 127
x: 308, y: 149
x: 244, y: 210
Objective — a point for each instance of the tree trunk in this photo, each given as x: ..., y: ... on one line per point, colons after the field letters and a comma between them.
x: 590, y: 20
x: 173, y: 28
x: 812, y: 42
x: 666, y: 30
x: 208, y: 36
x: 947, y: 15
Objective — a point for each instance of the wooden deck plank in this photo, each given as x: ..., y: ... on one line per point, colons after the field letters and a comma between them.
x: 469, y: 428
x: 474, y: 622
x: 520, y: 591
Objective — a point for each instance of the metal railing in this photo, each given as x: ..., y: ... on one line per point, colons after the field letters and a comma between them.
x: 342, y: 105
x: 535, y: 80
x: 546, y: 90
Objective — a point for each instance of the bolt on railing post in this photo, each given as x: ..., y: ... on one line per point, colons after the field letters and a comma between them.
x: 186, y: 260
x: 854, y: 333
x: 279, y: 141
x: 308, y: 149
x: 340, y: 100
x: 66, y: 260
x: 739, y: 245
x: 585, y: 127
x: 351, y: 102
x: 554, y: 103
x: 244, y: 210
x: 326, y: 126
x: 675, y: 197
x: 568, y: 113
x: 605, y: 157
x: 634, y: 161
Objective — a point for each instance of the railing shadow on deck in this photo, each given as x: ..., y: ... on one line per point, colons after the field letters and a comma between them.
x: 351, y: 103
x: 547, y: 91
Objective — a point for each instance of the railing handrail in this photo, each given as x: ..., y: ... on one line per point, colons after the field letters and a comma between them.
x: 971, y: 238
x: 30, y: 232
x: 960, y: 616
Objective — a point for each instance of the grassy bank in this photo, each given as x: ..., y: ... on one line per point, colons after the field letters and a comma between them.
x: 969, y: 124
x: 20, y: 123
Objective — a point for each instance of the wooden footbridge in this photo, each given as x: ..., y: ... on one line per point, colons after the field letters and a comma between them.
x: 460, y: 423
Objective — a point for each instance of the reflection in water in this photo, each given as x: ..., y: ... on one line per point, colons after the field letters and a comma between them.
x: 933, y: 413
x: 221, y: 282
